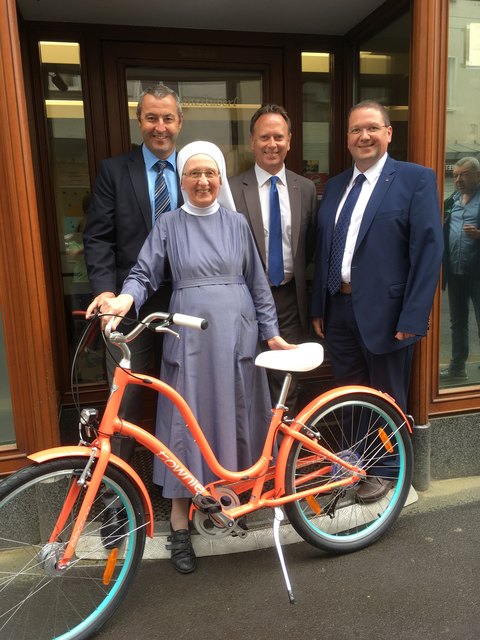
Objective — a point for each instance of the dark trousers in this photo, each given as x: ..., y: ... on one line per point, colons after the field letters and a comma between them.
x: 285, y: 297
x: 353, y: 363
x: 462, y: 289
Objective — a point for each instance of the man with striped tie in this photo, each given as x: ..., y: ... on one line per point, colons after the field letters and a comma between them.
x: 131, y: 191
x: 377, y: 264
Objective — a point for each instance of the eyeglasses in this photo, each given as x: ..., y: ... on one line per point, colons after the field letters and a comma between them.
x: 371, y: 130
x: 196, y: 174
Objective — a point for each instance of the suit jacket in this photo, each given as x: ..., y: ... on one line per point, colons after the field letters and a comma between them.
x: 397, y: 256
x: 303, y: 205
x: 118, y: 222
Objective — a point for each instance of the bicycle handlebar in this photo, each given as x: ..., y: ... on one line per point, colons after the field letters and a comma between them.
x: 179, y: 319
x: 189, y: 321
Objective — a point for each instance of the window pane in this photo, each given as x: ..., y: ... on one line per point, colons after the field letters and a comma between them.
x: 68, y: 153
x: 316, y: 94
x: 217, y: 106
x: 7, y: 431
x: 384, y: 77
x: 460, y: 310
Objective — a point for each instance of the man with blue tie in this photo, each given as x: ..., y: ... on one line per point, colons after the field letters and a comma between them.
x: 130, y: 192
x: 280, y: 207
x: 378, y: 257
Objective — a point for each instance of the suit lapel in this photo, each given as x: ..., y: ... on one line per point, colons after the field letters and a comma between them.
x: 381, y: 188
x: 295, y: 198
x: 138, y: 177
x: 250, y: 190
x: 332, y: 210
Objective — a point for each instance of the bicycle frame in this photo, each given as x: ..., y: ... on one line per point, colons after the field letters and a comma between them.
x: 253, y: 478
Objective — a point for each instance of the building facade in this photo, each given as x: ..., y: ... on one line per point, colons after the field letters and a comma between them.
x: 69, y: 91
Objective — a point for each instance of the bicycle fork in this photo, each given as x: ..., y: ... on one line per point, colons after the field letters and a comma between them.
x: 87, y: 479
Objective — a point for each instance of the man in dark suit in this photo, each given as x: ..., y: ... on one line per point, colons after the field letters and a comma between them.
x: 121, y: 215
x: 388, y: 269
x: 270, y: 135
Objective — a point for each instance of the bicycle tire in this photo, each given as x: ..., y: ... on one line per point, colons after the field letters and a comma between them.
x: 368, y: 431
x: 37, y: 602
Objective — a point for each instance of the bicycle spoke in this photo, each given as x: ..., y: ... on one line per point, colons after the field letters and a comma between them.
x: 38, y: 601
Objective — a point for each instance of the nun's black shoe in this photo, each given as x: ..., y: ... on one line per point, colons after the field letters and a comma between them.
x: 183, y: 556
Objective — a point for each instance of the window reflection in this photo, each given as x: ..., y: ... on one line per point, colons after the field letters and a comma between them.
x: 62, y: 83
x: 316, y: 95
x: 460, y: 307
x: 217, y: 106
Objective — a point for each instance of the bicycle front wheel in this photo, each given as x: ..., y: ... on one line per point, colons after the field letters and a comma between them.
x: 38, y: 602
x: 366, y: 431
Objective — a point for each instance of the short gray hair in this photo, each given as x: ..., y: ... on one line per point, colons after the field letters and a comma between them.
x: 473, y: 162
x: 159, y: 90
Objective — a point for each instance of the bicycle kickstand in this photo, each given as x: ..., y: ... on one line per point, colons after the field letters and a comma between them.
x: 276, y: 536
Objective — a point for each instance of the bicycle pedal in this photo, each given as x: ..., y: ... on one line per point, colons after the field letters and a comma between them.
x: 206, y: 504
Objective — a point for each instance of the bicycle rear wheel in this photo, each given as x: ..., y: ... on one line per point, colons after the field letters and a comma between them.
x: 367, y: 431
x: 37, y: 602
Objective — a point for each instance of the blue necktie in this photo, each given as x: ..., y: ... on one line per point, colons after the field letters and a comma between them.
x: 275, y: 253
x: 162, y: 200
x: 334, y: 279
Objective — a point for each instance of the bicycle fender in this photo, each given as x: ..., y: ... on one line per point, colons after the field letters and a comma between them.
x: 84, y: 452
x: 339, y: 392
x: 317, y: 403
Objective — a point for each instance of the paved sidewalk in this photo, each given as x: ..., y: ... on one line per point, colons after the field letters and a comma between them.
x: 418, y: 582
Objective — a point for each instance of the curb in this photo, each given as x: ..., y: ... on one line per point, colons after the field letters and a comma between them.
x: 260, y: 536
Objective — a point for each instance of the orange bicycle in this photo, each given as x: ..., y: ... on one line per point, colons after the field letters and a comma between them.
x: 58, y: 581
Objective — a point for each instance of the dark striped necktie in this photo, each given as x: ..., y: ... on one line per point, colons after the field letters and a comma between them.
x: 162, y: 199
x: 334, y: 279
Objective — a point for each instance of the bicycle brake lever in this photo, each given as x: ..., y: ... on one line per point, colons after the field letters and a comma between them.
x: 167, y: 330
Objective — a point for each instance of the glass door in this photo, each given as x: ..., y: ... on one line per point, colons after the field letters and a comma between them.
x: 220, y: 88
x: 69, y: 170
x: 217, y: 107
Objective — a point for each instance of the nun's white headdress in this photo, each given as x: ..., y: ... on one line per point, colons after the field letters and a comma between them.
x: 224, y: 197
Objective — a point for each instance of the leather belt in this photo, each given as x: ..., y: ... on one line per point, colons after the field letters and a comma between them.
x: 345, y: 287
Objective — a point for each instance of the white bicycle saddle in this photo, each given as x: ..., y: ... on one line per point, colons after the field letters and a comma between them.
x: 306, y: 357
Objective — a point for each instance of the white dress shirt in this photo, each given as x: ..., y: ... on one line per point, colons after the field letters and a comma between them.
x: 263, y: 181
x: 371, y: 176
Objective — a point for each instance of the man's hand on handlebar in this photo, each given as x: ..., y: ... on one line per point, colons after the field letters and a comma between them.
x: 106, y: 303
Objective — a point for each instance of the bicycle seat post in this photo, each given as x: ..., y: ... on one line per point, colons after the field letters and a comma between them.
x: 284, y: 392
